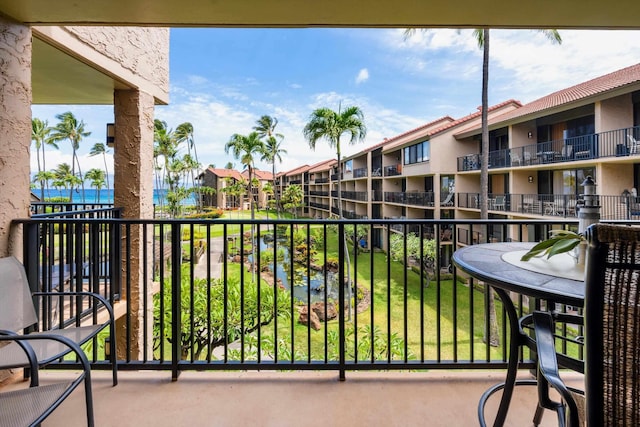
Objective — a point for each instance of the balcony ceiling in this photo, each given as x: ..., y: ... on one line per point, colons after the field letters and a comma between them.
x: 59, y: 78
x: 331, y: 13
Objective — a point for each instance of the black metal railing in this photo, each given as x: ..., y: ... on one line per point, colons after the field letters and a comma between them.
x: 361, y: 196
x: 360, y: 173
x: 392, y: 170
x: 210, y: 312
x: 614, y: 143
x: 321, y: 180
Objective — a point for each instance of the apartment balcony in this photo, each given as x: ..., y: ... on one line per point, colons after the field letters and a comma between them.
x: 361, y: 196
x: 394, y: 170
x: 612, y: 207
x: 318, y: 193
x: 322, y: 180
x: 360, y: 173
x: 618, y: 143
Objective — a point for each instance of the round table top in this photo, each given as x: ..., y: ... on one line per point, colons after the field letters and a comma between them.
x: 485, y: 262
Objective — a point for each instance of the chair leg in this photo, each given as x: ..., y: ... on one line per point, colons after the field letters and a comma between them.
x: 537, y: 417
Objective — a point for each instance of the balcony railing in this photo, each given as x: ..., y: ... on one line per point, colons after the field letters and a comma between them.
x: 210, y: 313
x: 360, y: 173
x: 322, y: 180
x: 616, y: 143
x: 394, y: 170
x: 318, y: 193
x: 361, y: 196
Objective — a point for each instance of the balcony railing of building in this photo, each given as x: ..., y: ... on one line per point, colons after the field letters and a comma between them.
x: 361, y: 196
x: 612, y: 208
x: 398, y: 313
x: 360, y: 173
x: 376, y: 196
x: 318, y: 193
x: 322, y: 180
x: 410, y: 198
x: 394, y: 170
x: 295, y: 182
x: 615, y: 143
x: 319, y: 206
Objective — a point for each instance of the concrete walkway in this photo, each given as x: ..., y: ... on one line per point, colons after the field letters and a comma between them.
x: 215, y: 252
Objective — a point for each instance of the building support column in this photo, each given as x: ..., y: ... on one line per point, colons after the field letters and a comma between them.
x: 133, y: 191
x: 15, y: 132
x: 15, y: 135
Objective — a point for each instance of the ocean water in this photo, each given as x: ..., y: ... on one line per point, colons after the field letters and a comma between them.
x: 91, y: 195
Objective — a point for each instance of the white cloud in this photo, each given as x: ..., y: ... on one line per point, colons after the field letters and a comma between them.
x: 363, y: 76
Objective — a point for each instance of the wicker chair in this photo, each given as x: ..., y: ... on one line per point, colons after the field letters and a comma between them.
x: 612, y: 334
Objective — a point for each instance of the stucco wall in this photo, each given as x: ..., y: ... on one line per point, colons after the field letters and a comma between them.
x: 15, y: 131
x: 143, y: 51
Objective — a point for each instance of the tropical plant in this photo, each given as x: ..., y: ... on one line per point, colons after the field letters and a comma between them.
x: 246, y: 148
x: 561, y: 241
x: 293, y: 198
x: 71, y: 129
x: 100, y: 148
x: 184, y: 133
x: 64, y: 177
x: 212, y: 324
x: 97, y: 179
x: 40, y: 131
x: 273, y: 151
x: 330, y: 125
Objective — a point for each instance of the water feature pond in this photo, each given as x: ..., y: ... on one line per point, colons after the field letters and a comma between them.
x: 306, y: 288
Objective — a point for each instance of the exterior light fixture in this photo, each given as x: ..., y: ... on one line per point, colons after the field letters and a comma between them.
x: 529, y: 134
x: 111, y: 135
x: 530, y: 178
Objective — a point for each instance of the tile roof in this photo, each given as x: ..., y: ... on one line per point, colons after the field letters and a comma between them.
x: 263, y: 175
x: 298, y: 170
x: 224, y: 173
x: 578, y: 92
x: 323, y: 165
x: 393, y: 142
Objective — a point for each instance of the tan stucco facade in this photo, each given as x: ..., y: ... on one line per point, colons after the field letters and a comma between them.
x: 15, y: 132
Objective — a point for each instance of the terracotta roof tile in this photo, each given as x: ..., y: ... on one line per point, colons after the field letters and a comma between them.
x: 578, y: 92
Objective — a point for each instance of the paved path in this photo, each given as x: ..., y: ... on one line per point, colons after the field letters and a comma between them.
x: 215, y: 252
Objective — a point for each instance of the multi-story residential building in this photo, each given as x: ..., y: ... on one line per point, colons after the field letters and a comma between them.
x: 263, y: 179
x: 320, y: 183
x: 220, y: 180
x: 540, y: 153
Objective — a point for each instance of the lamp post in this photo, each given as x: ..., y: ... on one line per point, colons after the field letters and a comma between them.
x: 589, y: 212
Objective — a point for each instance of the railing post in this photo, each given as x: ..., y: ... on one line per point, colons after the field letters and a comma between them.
x: 115, y: 258
x: 176, y: 315
x: 30, y: 255
x: 341, y: 305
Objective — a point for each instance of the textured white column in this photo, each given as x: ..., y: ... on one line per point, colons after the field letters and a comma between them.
x: 15, y: 131
x: 133, y: 191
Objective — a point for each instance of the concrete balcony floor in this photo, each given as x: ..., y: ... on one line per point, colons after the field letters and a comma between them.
x: 436, y: 398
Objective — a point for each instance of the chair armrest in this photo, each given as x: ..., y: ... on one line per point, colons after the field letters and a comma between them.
x: 23, y: 342
x: 93, y: 295
x: 548, y: 364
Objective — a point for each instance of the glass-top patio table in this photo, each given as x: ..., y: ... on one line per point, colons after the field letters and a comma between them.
x: 498, y: 265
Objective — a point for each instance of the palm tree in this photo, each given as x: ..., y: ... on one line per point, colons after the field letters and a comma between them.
x: 266, y: 128
x: 73, y: 130
x: 100, y: 148
x: 273, y: 152
x: 246, y: 148
x: 97, y: 178
x: 327, y: 124
x: 40, y: 131
x: 164, y: 148
x: 64, y: 177
x: 184, y: 133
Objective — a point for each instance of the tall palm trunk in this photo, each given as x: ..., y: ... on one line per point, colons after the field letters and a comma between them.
x: 494, y: 337
x: 344, y: 240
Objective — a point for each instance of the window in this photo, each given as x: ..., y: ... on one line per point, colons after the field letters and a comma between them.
x: 417, y: 153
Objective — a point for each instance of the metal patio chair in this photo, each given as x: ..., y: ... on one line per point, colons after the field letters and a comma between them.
x: 30, y: 406
x: 612, y: 335
x: 18, y: 314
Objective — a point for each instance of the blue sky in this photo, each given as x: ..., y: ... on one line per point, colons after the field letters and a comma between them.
x: 223, y: 80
